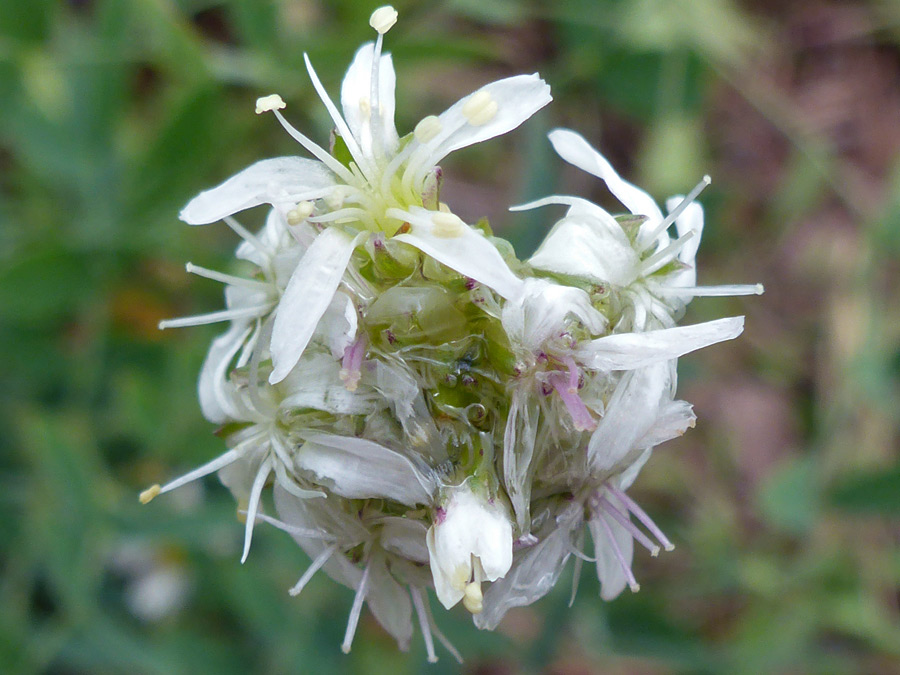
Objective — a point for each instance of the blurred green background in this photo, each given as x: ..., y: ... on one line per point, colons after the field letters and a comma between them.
x: 784, y: 502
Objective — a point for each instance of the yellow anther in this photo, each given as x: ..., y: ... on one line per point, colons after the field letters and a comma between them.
x: 350, y: 379
x: 299, y: 213
x: 427, y: 129
x: 269, y: 103
x: 241, y: 511
x: 147, y: 495
x: 480, y: 108
x: 365, y: 106
x: 447, y: 225
x: 383, y: 19
x: 473, y: 600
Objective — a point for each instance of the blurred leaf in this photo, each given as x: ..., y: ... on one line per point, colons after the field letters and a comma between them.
x: 876, y: 492
x: 789, y: 497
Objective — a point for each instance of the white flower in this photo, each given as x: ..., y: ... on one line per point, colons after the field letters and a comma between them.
x: 383, y: 178
x: 655, y: 270
x: 469, y: 542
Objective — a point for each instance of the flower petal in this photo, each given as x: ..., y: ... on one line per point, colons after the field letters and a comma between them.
x: 517, y: 98
x: 388, y: 601
x: 307, y: 297
x: 588, y: 243
x: 609, y: 569
x: 535, y: 570
x: 632, y: 411
x: 360, y: 469
x: 627, y: 351
x: 270, y: 181
x: 356, y: 92
x: 217, y: 396
x: 459, y: 247
x: 577, y: 151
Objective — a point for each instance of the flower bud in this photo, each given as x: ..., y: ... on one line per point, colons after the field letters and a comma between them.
x: 469, y: 542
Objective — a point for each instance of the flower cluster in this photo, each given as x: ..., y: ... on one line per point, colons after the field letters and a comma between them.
x: 428, y: 410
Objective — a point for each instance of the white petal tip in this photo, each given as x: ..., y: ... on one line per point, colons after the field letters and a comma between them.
x: 269, y: 103
x: 345, y: 649
x: 383, y: 19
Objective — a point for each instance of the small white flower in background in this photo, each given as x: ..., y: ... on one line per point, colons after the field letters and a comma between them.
x: 413, y: 404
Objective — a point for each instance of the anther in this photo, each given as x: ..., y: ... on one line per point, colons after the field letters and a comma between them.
x: 269, y: 103
x: 473, y: 600
x: 149, y: 494
x: 383, y: 19
x: 427, y: 129
x: 299, y: 213
x: 480, y: 108
x: 447, y: 225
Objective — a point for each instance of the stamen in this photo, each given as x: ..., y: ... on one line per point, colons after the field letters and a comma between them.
x: 299, y: 213
x: 210, y: 467
x: 473, y: 599
x: 617, y: 552
x: 447, y: 225
x: 423, y: 623
x: 427, y: 129
x: 315, y: 149
x: 216, y: 317
x: 269, y: 103
x: 347, y: 215
x: 641, y: 515
x: 351, y: 364
x: 636, y: 534
x: 228, y: 279
x: 355, y: 151
x: 247, y: 236
x: 355, y: 611
x: 728, y: 290
x: 440, y: 635
x: 314, y: 567
x: 581, y: 416
x: 662, y: 258
x: 383, y: 19
x: 576, y: 570
x: 677, y: 211
x: 480, y: 108
x: 293, y: 529
x: 253, y: 504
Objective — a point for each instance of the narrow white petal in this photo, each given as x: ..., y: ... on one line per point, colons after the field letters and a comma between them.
x: 577, y: 151
x: 215, y: 391
x: 307, y: 297
x: 464, y: 249
x: 405, y: 537
x: 361, y: 469
x: 627, y: 351
x: 389, y: 602
x: 356, y: 103
x: 270, y: 181
x: 609, y: 535
x: 632, y: 410
x: 447, y: 594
